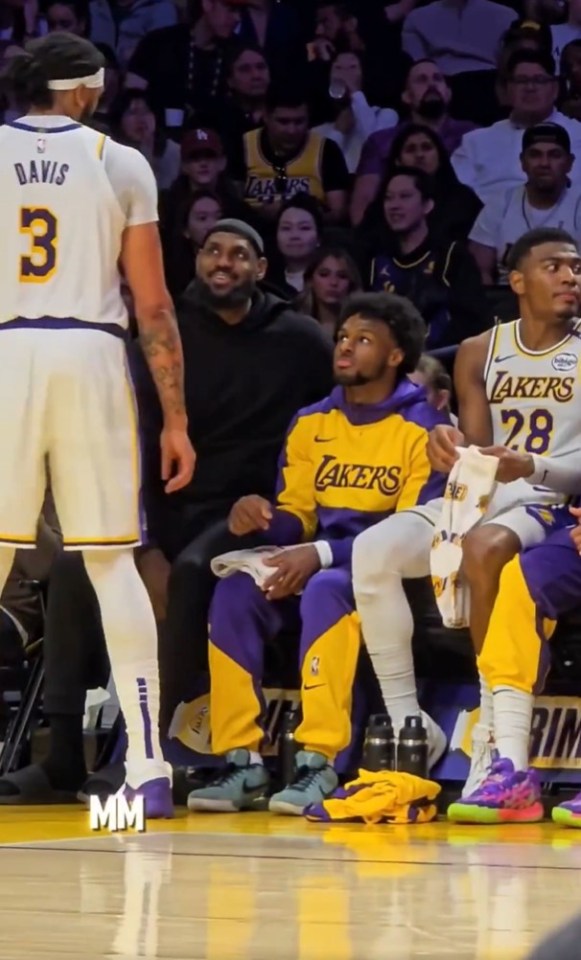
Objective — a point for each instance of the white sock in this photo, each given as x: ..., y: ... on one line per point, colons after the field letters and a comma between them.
x: 513, y: 713
x: 486, y: 712
x: 131, y: 637
x: 255, y: 758
x: 395, y: 549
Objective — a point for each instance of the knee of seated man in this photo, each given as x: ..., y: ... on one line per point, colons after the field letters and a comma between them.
x: 324, y: 592
x: 486, y: 550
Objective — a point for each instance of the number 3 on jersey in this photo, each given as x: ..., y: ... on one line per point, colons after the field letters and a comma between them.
x: 40, y: 225
x: 538, y: 427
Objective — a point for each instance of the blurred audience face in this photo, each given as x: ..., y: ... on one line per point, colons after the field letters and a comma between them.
x: 329, y: 23
x: 346, y: 68
x: 546, y: 166
x: 426, y: 92
x: 222, y: 17
x: 331, y: 282
x: 420, y: 151
x: 571, y: 67
x: 138, y: 122
x: 203, y: 169
x: 61, y: 16
x: 403, y: 205
x: 296, y: 236
x: 204, y: 215
x: 250, y: 76
x: 287, y: 128
x: 228, y: 269
x: 531, y: 91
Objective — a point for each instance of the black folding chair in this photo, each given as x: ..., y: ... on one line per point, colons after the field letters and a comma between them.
x: 29, y: 678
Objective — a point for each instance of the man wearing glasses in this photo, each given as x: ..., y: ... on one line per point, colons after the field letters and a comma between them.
x: 488, y: 160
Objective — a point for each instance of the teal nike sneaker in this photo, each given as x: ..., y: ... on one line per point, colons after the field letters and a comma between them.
x: 315, y: 780
x: 237, y: 788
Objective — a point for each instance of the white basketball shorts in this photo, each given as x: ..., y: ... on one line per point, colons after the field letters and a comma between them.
x: 67, y: 403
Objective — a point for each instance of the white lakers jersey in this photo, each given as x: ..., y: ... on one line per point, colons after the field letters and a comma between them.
x: 535, y: 398
x: 67, y: 193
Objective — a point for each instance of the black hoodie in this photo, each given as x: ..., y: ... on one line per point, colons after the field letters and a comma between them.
x: 243, y: 385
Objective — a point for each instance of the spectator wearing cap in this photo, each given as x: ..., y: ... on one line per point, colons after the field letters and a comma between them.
x: 547, y: 199
x: 285, y: 158
x: 135, y: 122
x: 488, y: 160
x: 426, y: 99
x: 184, y: 66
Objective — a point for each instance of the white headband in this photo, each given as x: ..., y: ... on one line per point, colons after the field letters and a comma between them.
x: 95, y: 81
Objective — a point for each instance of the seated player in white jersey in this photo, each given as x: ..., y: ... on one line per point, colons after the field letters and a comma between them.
x: 517, y: 387
x: 74, y: 205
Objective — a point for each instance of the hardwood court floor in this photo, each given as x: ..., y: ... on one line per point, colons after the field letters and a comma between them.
x: 254, y: 887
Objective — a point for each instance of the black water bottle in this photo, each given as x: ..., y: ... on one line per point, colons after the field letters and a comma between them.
x: 287, y: 745
x: 412, y: 748
x: 379, y: 745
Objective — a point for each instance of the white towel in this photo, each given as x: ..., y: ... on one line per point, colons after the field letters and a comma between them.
x: 247, y: 561
x: 468, y: 493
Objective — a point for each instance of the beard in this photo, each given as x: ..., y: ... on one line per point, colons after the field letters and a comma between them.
x: 347, y: 378
x: 431, y: 106
x: 228, y: 299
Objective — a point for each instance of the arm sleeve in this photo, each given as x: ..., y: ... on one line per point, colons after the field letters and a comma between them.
x: 334, y: 172
x: 463, y: 163
x: 295, y: 517
x: 412, y: 41
x: 561, y: 474
x: 133, y: 183
x: 487, y: 225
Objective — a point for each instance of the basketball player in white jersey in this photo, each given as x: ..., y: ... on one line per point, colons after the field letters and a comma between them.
x: 518, y: 388
x: 74, y: 206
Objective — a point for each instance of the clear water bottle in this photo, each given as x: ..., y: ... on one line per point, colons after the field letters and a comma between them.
x: 287, y: 745
x: 379, y: 745
x: 412, y: 748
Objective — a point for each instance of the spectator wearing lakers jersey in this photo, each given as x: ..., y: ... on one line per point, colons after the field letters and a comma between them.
x: 298, y: 234
x: 439, y: 276
x: 531, y: 89
x: 284, y: 158
x: 426, y: 98
x: 547, y: 199
x: 357, y: 455
x: 330, y: 277
x: 570, y: 103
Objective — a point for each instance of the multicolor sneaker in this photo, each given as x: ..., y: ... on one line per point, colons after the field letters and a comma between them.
x: 506, y: 796
x: 238, y: 787
x: 157, y: 798
x: 481, y: 759
x: 315, y: 780
x: 568, y: 813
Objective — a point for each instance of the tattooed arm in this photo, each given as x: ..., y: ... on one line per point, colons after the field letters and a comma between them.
x: 142, y: 263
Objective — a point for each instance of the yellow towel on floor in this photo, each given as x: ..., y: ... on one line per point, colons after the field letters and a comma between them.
x: 384, y: 797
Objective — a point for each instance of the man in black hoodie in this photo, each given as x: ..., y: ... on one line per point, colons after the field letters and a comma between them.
x: 250, y: 363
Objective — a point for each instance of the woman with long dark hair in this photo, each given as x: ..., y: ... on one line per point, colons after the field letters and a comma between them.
x: 331, y: 275
x: 456, y: 206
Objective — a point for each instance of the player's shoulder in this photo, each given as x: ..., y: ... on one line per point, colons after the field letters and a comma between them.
x: 124, y: 156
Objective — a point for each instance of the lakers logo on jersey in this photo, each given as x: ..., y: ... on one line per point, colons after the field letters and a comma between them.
x: 509, y: 387
x: 360, y: 476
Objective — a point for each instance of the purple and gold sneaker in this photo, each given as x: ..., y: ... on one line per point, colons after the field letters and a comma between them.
x: 157, y: 798
x: 505, y: 796
x: 568, y: 813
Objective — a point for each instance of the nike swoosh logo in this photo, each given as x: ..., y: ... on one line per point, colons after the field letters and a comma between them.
x: 509, y: 356
x: 325, y: 439
x: 314, y: 686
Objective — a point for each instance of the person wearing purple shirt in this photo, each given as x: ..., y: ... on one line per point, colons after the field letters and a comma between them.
x: 354, y: 457
x: 426, y: 95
